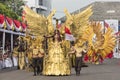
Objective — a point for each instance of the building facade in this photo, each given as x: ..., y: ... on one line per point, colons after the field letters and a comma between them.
x: 101, y: 10
x: 40, y: 6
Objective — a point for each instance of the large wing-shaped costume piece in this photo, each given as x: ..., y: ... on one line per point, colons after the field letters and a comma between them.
x: 77, y: 23
x: 80, y: 21
x: 99, y: 43
x: 109, y: 42
x: 39, y: 24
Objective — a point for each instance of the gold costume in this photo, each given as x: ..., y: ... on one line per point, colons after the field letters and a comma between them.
x: 21, y: 61
x: 55, y: 62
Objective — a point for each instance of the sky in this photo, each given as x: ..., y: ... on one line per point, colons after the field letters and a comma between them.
x: 71, y: 5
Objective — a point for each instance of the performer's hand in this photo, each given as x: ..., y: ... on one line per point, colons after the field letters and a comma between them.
x: 44, y: 36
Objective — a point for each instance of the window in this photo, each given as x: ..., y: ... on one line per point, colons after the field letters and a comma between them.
x: 40, y: 2
x: 38, y: 10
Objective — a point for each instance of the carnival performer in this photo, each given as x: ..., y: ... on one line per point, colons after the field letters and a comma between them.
x: 21, y: 54
x: 78, y: 51
x: 35, y: 61
x: 55, y: 62
x: 40, y: 58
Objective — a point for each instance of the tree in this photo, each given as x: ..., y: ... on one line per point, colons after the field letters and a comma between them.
x: 5, y: 10
x: 14, y: 5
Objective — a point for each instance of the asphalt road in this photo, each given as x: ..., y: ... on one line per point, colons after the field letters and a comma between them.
x: 109, y: 70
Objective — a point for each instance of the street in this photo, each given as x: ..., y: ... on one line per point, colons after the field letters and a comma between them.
x: 109, y: 70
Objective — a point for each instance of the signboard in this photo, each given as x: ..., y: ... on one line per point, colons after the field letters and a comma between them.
x: 114, y: 25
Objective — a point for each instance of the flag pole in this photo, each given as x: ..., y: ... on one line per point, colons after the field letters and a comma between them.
x: 56, y: 23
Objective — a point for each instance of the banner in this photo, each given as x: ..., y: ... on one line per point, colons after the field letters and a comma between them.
x: 114, y: 25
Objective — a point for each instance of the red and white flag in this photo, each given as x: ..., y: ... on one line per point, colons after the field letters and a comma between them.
x: 24, y: 26
x: 9, y: 23
x: 59, y: 26
x: 106, y: 24
x: 68, y: 35
x: 117, y: 33
x: 17, y: 25
x: 2, y: 20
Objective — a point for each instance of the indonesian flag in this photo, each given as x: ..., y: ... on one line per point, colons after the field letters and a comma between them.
x: 117, y: 33
x: 59, y: 26
x: 68, y: 35
x: 2, y: 20
x: 9, y: 23
x: 17, y: 25
x: 106, y: 24
x: 24, y: 26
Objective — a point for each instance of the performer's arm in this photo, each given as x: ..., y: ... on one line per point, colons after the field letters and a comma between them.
x: 72, y: 51
x: 84, y: 51
x: 50, y: 36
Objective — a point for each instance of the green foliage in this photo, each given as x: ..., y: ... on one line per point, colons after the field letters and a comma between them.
x: 15, y: 5
x: 12, y: 8
x: 19, y: 8
x: 7, y: 11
